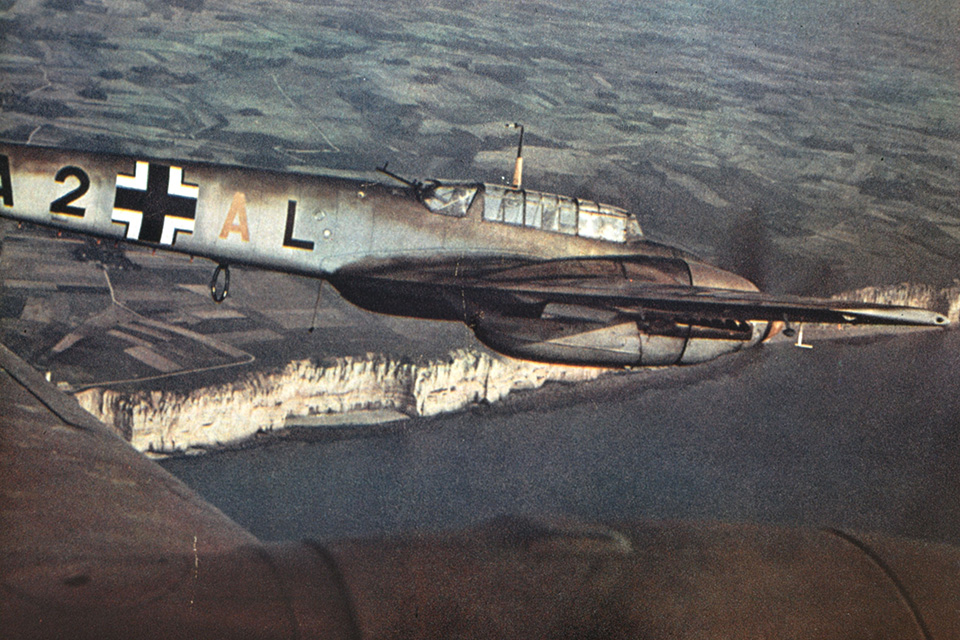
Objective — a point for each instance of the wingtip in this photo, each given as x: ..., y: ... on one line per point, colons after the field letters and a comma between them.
x: 899, y: 315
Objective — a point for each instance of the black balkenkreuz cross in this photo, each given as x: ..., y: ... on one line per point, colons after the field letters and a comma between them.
x: 155, y: 203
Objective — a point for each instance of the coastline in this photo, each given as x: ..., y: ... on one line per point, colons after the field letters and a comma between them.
x: 166, y: 422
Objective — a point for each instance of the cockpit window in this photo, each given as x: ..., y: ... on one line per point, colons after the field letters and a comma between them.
x: 452, y: 200
x: 448, y: 200
x: 562, y: 214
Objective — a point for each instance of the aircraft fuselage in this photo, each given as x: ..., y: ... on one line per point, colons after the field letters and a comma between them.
x: 309, y: 224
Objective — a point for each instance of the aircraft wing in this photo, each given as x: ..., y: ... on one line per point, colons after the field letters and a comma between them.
x: 645, y: 288
x: 622, y: 311
x: 97, y: 541
x: 699, y: 303
x: 662, y: 287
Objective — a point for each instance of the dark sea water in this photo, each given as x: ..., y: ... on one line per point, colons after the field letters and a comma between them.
x: 863, y: 436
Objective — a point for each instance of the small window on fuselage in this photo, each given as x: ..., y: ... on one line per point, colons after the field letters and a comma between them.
x: 449, y: 199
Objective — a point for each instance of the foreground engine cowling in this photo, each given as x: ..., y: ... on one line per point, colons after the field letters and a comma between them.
x: 509, y: 578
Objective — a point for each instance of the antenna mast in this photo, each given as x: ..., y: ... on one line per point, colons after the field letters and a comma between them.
x: 518, y: 167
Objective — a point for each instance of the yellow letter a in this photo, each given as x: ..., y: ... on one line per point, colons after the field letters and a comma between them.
x: 236, y: 221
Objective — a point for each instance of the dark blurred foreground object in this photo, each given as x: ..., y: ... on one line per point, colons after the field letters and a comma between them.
x: 99, y: 542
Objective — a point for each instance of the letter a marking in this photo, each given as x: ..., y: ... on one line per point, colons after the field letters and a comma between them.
x: 236, y: 221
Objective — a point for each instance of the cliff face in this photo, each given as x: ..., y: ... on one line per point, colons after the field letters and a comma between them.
x: 171, y: 421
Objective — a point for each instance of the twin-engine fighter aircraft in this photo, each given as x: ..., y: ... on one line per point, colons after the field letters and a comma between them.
x: 538, y: 276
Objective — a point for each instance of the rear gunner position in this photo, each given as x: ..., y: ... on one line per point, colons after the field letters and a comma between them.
x: 536, y: 275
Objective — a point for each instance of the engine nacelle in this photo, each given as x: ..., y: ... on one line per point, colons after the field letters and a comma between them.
x: 613, y: 341
x: 560, y: 341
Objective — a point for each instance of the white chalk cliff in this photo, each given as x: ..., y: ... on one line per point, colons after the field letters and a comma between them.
x: 167, y: 421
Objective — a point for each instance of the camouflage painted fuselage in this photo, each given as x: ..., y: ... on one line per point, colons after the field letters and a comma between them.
x: 310, y: 224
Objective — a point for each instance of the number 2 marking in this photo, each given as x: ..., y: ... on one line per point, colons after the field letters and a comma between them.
x: 62, y: 204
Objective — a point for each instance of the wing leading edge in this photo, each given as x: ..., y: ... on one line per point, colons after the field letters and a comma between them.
x: 722, y: 304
